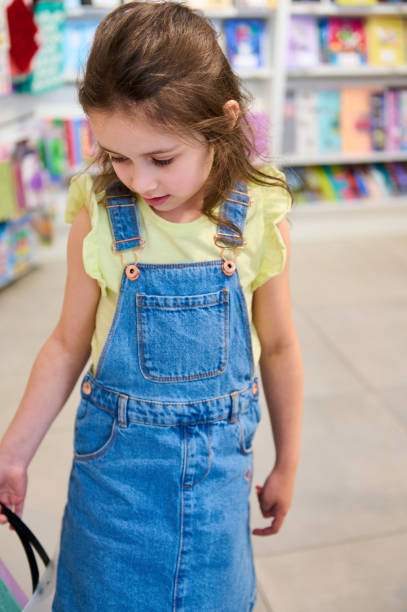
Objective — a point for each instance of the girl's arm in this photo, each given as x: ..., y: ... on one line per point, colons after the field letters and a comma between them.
x: 55, y: 370
x: 281, y: 373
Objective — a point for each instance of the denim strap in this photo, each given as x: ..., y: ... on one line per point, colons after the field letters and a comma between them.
x: 123, y: 215
x: 125, y: 223
x: 234, y: 209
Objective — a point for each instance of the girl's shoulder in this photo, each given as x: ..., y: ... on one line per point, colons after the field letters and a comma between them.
x: 81, y: 193
x: 270, y: 203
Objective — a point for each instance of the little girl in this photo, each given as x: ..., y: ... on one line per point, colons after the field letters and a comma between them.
x: 177, y: 281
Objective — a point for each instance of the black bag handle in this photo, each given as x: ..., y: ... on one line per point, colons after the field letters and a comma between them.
x: 29, y: 541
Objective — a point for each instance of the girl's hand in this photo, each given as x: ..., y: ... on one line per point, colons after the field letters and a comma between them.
x: 13, y: 487
x: 275, y: 499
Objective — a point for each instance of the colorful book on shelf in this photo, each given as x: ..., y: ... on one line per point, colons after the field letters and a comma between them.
x: 47, y: 64
x: 355, y: 120
x: 340, y: 182
x: 303, y: 44
x: 8, y: 200
x: 295, y: 182
x: 393, y: 177
x: 209, y: 4
x: 360, y: 179
x: 386, y: 41
x: 70, y: 142
x: 321, y: 183
x: 307, y: 190
x: 356, y: 2
x: 306, y: 124
x: 78, y: 37
x: 382, y: 178
x: 403, y: 119
x: 392, y: 125
x: 352, y: 182
x: 328, y: 113
x: 378, y: 121
x: 246, y: 43
x: 255, y: 3
x: 400, y: 172
x: 343, y: 41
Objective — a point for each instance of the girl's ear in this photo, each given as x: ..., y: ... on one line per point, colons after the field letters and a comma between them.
x: 231, y: 110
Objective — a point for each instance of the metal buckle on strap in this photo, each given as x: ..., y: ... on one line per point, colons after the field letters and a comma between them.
x: 229, y: 265
x: 218, y: 236
x: 132, y: 270
x: 143, y: 242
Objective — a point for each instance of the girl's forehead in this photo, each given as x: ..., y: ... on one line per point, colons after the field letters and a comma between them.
x: 119, y: 125
x: 136, y: 134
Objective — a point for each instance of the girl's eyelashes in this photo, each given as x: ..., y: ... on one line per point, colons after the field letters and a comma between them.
x: 162, y: 162
x: 157, y: 162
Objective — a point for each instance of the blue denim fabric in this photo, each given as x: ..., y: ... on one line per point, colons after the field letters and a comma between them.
x: 157, y: 516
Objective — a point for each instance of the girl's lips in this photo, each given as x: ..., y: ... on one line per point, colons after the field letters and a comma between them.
x: 156, y: 201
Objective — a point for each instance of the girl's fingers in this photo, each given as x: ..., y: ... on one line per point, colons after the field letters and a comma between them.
x: 263, y: 532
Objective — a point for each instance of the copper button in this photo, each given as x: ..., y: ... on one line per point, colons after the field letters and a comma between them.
x: 87, y: 388
x: 254, y: 388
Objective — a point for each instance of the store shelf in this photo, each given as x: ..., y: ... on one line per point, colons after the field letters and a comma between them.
x: 386, y: 202
x: 321, y: 159
x: 91, y: 12
x: 330, y: 9
x: 339, y: 158
x: 19, y: 107
x: 364, y: 71
x: 263, y: 74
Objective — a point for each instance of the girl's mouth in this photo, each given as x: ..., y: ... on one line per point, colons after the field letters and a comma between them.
x: 156, y: 201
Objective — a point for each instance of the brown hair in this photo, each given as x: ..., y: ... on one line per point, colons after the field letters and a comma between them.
x: 164, y: 58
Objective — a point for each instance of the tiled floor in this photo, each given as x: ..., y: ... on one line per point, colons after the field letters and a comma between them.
x: 343, y: 547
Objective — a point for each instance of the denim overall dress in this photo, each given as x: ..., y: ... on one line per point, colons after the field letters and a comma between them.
x: 157, y: 515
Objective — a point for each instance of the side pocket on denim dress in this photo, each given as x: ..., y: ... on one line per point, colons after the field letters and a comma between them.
x: 95, y: 431
x: 248, y: 421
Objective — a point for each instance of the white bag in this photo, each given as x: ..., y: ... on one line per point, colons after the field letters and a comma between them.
x: 41, y: 600
x: 43, y: 588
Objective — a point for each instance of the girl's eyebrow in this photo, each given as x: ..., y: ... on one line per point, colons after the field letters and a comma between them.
x: 152, y: 152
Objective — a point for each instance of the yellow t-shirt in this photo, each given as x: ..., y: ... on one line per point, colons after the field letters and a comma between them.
x: 168, y: 242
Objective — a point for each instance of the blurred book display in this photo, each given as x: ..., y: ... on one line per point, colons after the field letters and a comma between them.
x: 347, y: 120
x: 338, y: 185
x: 343, y: 41
x: 386, y: 41
x: 345, y: 100
x: 303, y: 47
x: 245, y: 43
x: 346, y: 41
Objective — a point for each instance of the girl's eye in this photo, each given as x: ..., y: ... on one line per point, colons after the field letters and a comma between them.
x: 117, y: 160
x: 162, y: 162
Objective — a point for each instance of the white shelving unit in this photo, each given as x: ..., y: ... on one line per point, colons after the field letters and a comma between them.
x: 330, y: 76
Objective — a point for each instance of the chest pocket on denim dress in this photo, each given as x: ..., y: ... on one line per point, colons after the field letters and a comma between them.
x: 182, y: 337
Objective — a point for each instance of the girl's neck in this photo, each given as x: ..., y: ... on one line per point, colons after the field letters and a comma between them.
x: 179, y: 216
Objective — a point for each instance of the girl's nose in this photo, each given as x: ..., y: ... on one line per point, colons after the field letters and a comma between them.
x: 144, y: 181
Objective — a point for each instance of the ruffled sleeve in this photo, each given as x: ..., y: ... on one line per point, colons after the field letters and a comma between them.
x: 274, y: 203
x: 81, y: 194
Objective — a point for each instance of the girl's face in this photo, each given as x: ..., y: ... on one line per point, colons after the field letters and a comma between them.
x: 165, y: 170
